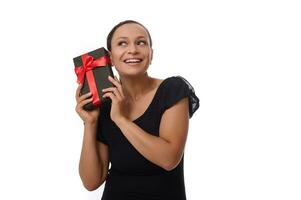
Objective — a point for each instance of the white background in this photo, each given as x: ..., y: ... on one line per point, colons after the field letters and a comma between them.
x: 242, y: 57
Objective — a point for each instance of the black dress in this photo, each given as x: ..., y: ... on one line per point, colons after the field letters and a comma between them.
x: 131, y: 176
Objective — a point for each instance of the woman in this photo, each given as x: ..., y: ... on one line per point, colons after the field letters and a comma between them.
x: 142, y: 130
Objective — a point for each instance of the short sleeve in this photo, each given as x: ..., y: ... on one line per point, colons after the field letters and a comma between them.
x: 178, y: 88
x: 102, y: 119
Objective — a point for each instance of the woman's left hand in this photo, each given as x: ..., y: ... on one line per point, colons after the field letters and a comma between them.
x: 118, y: 99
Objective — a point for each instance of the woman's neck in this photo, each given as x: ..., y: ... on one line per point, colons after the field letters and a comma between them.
x: 136, y: 87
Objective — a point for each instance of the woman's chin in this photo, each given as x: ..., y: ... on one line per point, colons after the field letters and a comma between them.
x: 131, y: 71
x: 132, y: 74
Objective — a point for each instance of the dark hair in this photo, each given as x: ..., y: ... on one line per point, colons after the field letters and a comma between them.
x: 110, y: 35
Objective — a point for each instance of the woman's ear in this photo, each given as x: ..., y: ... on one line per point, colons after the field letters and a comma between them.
x: 110, y: 54
x: 152, y: 52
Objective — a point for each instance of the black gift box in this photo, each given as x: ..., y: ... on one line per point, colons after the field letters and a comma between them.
x: 100, y: 74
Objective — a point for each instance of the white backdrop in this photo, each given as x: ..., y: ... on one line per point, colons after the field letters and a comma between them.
x: 242, y: 57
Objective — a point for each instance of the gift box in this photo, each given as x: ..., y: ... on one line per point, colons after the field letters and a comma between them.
x: 92, y: 70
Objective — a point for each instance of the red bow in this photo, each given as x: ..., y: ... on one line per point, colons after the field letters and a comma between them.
x: 89, y: 63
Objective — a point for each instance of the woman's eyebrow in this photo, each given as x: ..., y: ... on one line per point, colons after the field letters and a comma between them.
x: 138, y: 37
x: 121, y: 38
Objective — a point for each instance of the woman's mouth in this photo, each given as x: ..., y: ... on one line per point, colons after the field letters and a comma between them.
x: 132, y: 61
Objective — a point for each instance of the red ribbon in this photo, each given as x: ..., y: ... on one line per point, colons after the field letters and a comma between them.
x: 89, y: 63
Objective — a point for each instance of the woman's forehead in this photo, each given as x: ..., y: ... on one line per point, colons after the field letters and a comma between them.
x: 130, y: 30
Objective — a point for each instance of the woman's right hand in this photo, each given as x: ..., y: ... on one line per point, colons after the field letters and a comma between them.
x: 87, y: 116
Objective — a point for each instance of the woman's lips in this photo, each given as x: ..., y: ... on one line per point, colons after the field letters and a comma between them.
x: 132, y: 61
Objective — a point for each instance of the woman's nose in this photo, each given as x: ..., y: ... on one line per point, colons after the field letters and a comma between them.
x: 132, y: 48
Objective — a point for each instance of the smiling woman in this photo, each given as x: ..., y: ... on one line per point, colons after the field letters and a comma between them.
x: 130, y: 45
x: 142, y: 131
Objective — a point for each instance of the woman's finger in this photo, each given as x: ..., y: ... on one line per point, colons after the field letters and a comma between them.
x: 117, y: 84
x: 77, y: 93
x: 84, y: 102
x: 84, y: 96
x: 121, y: 89
x: 117, y: 94
x: 114, y: 90
x: 110, y: 95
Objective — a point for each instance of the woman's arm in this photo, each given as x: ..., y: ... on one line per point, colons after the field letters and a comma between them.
x: 93, y: 165
x: 165, y: 151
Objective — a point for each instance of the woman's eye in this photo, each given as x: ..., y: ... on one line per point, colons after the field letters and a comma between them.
x: 141, y: 42
x: 122, y: 43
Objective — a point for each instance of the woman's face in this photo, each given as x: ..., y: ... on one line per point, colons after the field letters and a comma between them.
x: 131, y: 53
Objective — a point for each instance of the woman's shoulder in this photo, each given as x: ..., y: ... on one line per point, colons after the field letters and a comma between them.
x: 177, y: 87
x: 175, y: 81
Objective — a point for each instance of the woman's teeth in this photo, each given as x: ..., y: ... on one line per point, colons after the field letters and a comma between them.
x: 133, y: 60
